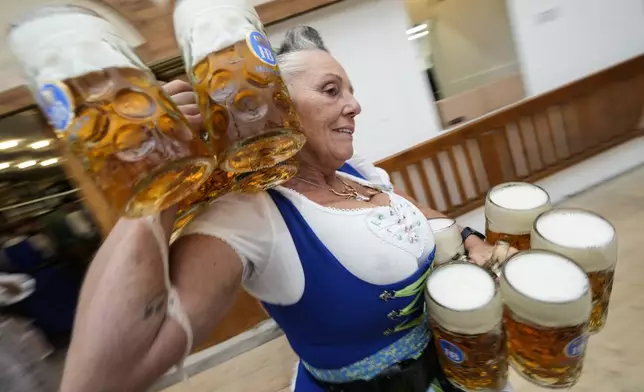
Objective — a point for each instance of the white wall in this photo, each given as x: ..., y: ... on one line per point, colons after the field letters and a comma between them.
x: 472, y: 44
x: 561, y: 41
x: 368, y: 37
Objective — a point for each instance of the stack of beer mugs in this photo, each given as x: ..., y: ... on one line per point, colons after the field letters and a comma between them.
x: 110, y: 112
x: 553, y: 294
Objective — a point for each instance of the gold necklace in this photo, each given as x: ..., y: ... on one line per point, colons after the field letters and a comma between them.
x: 349, y: 192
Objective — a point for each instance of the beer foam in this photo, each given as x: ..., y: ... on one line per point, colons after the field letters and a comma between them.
x: 206, y: 26
x: 582, y: 236
x: 64, y: 45
x: 546, y: 277
x: 438, y: 224
x: 519, y: 196
x: 462, y: 298
x: 575, y: 228
x: 546, y: 288
x: 461, y: 287
x: 511, y: 208
x: 447, y: 237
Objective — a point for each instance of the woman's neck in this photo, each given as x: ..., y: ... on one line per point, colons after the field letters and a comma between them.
x: 315, y: 174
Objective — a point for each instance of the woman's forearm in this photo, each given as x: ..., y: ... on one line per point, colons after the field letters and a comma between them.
x: 120, y: 313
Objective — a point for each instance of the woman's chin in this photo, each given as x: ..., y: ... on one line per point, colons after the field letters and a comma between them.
x: 344, y: 153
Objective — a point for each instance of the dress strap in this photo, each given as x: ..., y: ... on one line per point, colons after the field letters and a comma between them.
x: 348, y: 169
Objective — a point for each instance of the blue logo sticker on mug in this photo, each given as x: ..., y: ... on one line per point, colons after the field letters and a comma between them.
x: 56, y: 102
x: 576, y: 347
x: 452, y: 352
x: 261, y: 48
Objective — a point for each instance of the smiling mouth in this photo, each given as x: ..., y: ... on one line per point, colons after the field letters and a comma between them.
x: 344, y: 130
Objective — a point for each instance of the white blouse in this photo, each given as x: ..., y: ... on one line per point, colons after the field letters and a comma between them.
x: 379, y: 245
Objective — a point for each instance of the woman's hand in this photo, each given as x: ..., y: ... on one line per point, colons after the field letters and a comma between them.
x: 480, y: 252
x: 184, y: 97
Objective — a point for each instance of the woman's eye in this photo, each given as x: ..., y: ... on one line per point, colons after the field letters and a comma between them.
x: 331, y: 91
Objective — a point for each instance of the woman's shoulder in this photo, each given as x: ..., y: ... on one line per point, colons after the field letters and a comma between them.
x: 234, y: 211
x: 243, y: 221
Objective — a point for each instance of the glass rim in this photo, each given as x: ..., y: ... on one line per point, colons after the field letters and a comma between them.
x: 48, y: 10
x: 444, y: 228
x: 512, y: 258
x: 515, y: 183
x: 574, y: 210
x: 459, y: 262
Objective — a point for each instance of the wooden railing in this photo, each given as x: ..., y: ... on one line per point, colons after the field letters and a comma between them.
x: 527, y: 141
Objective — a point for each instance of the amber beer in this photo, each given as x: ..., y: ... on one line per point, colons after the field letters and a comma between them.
x: 449, y: 243
x: 510, y: 211
x: 108, y: 109
x: 465, y: 311
x: 589, y: 240
x: 221, y: 183
x: 547, y: 307
x: 245, y: 105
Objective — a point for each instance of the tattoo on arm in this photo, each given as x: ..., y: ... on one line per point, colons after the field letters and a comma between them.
x: 155, y: 306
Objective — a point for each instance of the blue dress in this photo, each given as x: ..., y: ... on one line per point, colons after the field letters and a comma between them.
x: 343, y: 328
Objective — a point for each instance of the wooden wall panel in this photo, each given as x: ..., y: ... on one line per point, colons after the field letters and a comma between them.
x: 531, y: 139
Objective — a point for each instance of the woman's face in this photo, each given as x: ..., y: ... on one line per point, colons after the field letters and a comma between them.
x: 323, y: 97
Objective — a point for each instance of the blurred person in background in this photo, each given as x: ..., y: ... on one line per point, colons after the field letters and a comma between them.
x: 24, y: 351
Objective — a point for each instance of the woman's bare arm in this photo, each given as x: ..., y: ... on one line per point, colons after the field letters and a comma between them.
x: 122, y: 339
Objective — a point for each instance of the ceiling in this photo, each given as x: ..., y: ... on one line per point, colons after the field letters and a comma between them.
x: 26, y: 144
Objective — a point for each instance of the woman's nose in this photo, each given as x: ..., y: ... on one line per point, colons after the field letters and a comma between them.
x: 352, y: 108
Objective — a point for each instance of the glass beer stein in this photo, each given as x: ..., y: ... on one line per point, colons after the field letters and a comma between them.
x: 107, y: 108
x: 447, y: 236
x: 590, y: 241
x: 547, y: 308
x: 466, y: 310
x: 221, y: 183
x: 248, y: 113
x: 510, y: 211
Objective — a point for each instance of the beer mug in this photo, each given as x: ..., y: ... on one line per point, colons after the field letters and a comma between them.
x: 221, y: 182
x: 465, y: 311
x: 447, y: 237
x: 510, y: 211
x: 589, y: 240
x: 107, y: 108
x: 547, y: 307
x: 248, y: 113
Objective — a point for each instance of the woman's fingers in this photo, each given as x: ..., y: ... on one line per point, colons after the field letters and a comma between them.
x: 195, y: 122
x: 190, y: 109
x: 184, y: 97
x: 177, y: 86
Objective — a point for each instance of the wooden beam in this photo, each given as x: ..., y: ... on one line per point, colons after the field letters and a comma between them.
x: 277, y: 10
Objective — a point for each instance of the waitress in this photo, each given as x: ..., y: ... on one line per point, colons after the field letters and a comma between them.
x: 337, y: 256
